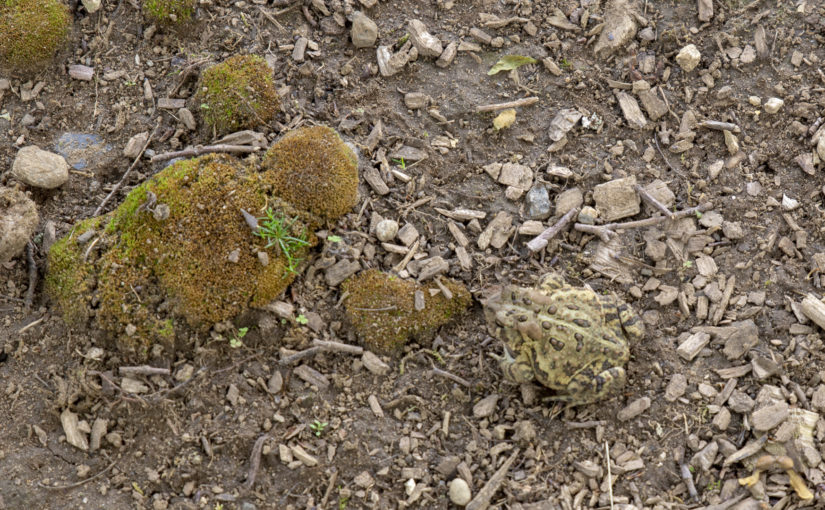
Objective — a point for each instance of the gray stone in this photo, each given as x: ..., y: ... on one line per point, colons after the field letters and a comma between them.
x: 744, y: 337
x: 568, y: 200
x: 617, y: 199
x: 459, y: 492
x: 704, y: 458
x: 770, y: 416
x: 18, y: 221
x: 688, y: 58
x: 374, y: 364
x: 676, y: 387
x: 515, y: 175
x: 818, y: 398
x: 486, y: 406
x: 135, y: 144
x: 364, y: 31
x: 538, y: 203
x: 740, y: 402
x: 634, y: 409
x: 722, y: 419
x: 447, y: 56
x: 386, y: 230
x: 39, y: 168
x: 426, y: 43
x: 187, y: 118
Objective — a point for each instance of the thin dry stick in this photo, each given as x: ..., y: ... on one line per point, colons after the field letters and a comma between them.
x: 656, y: 139
x: 77, y: 484
x: 609, y: 476
x: 204, y: 149
x: 607, y: 230
x: 29, y: 297
x: 255, y: 461
x: 328, y: 345
x: 298, y: 356
x: 30, y: 325
x: 128, y: 171
x: 687, y: 477
x: 482, y: 499
x: 650, y: 199
x: 143, y: 370
x: 526, y: 101
x: 452, y: 377
x: 540, y: 241
x: 330, y: 486
x: 574, y: 425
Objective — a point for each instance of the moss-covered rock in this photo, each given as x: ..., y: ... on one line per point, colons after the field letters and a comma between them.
x: 313, y: 169
x: 31, y: 31
x: 178, y: 246
x: 169, y: 11
x: 381, y: 308
x: 238, y: 94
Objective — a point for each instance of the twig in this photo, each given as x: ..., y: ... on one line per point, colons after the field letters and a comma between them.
x: 270, y: 18
x: 525, y: 101
x: 156, y: 396
x: 482, y: 499
x: 204, y: 149
x: 255, y: 461
x: 30, y: 325
x: 687, y: 477
x: 452, y: 377
x: 143, y: 370
x: 338, y: 347
x: 656, y: 139
x: 719, y: 125
x: 309, y: 17
x: 408, y: 257
x: 650, y: 199
x: 128, y: 171
x: 573, y: 425
x: 77, y: 484
x: 330, y: 486
x: 609, y: 475
x: 540, y: 241
x: 306, y: 353
x: 12, y: 298
x: 29, y: 297
x: 607, y: 230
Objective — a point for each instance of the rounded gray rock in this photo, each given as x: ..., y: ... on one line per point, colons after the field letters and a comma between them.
x: 18, y: 221
x: 460, y: 492
x: 386, y: 230
x: 364, y: 31
x: 39, y: 168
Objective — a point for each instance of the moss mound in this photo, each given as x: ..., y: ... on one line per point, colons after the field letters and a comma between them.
x: 31, y: 31
x: 238, y: 94
x: 381, y: 308
x: 169, y: 11
x: 313, y: 169
x: 177, y: 246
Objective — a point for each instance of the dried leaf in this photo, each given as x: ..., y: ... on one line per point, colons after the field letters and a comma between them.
x: 750, y: 481
x: 510, y: 62
x: 505, y: 119
x: 799, y: 485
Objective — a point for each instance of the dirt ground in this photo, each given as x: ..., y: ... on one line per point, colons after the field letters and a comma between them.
x: 732, y: 358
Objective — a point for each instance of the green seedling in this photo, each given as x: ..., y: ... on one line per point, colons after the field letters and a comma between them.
x: 318, y: 427
x: 565, y: 64
x: 301, y: 319
x: 278, y: 232
x: 401, y: 163
x: 334, y: 239
x: 235, y: 341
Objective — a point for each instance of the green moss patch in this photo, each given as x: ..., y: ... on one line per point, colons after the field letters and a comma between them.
x: 238, y: 94
x: 313, y: 169
x: 31, y: 31
x: 169, y: 11
x: 381, y: 308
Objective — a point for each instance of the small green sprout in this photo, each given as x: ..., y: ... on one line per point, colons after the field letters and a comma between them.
x: 334, y: 239
x: 401, y: 163
x: 301, y: 319
x: 235, y: 341
x: 278, y: 232
x: 566, y: 63
x: 318, y: 427
x: 204, y: 106
x: 687, y: 264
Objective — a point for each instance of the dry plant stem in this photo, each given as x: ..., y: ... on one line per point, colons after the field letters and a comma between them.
x: 482, y: 499
x: 687, y: 477
x: 78, y: 484
x: 331, y: 485
x: 452, y: 377
x: 298, y: 356
x: 255, y: 461
x: 719, y: 125
x: 205, y: 149
x: 574, y: 425
x: 338, y: 347
x: 128, y: 171
x: 155, y: 397
x: 658, y: 148
x: 540, y: 241
x: 29, y: 298
x: 607, y: 230
x: 650, y: 199
x: 527, y: 101
x: 143, y: 370
x: 30, y: 325
x: 609, y: 475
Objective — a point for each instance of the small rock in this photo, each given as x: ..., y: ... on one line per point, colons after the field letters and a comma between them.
x: 74, y: 436
x: 390, y: 63
x: 770, y: 416
x: 563, y: 122
x: 340, y: 271
x: 416, y: 100
x: 773, y: 105
x: 789, y: 204
x: 301, y: 454
x: 185, y: 116
x: 688, y: 58
x: 525, y: 431
x: 184, y: 372
x: 135, y: 144
x: 130, y: 385
x: 486, y: 406
x: 676, y: 387
x: 18, y: 222
x: 374, y: 364
x: 459, y: 492
x: 634, y: 409
x: 312, y: 376
x: 408, y: 234
x: 818, y: 398
x: 631, y: 111
x: 620, y: 27
x: 518, y: 176
x: 617, y: 199
x: 39, y: 168
x: 447, y: 56
x: 733, y: 230
x: 427, y: 44
x: 234, y: 255
x: 497, y: 232
x: 537, y: 203
x: 232, y: 394
x: 275, y: 385
x: 740, y: 402
x: 364, y: 31
x: 704, y: 458
x: 568, y: 200
x: 722, y: 419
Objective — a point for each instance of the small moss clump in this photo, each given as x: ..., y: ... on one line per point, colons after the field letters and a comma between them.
x: 31, y: 31
x: 169, y: 11
x: 238, y: 94
x: 314, y: 170
x: 381, y: 308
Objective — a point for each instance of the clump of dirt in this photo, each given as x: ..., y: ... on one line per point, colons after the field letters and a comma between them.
x: 238, y: 94
x: 18, y: 219
x: 31, y: 31
x: 381, y: 308
x: 169, y: 11
x: 314, y: 169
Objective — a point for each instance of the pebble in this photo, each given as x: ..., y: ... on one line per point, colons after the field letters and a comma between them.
x: 188, y: 119
x: 634, y: 409
x: 769, y: 416
x: 617, y: 199
x: 688, y: 58
x: 39, y: 168
x: 447, y: 56
x: 486, y: 406
x: 705, y: 457
x: 538, y: 203
x: 773, y: 105
x: 459, y: 492
x: 426, y: 43
x: 676, y: 387
x: 818, y: 398
x: 364, y: 31
x: 722, y: 419
x: 374, y: 364
x: 135, y: 144
x: 18, y: 221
